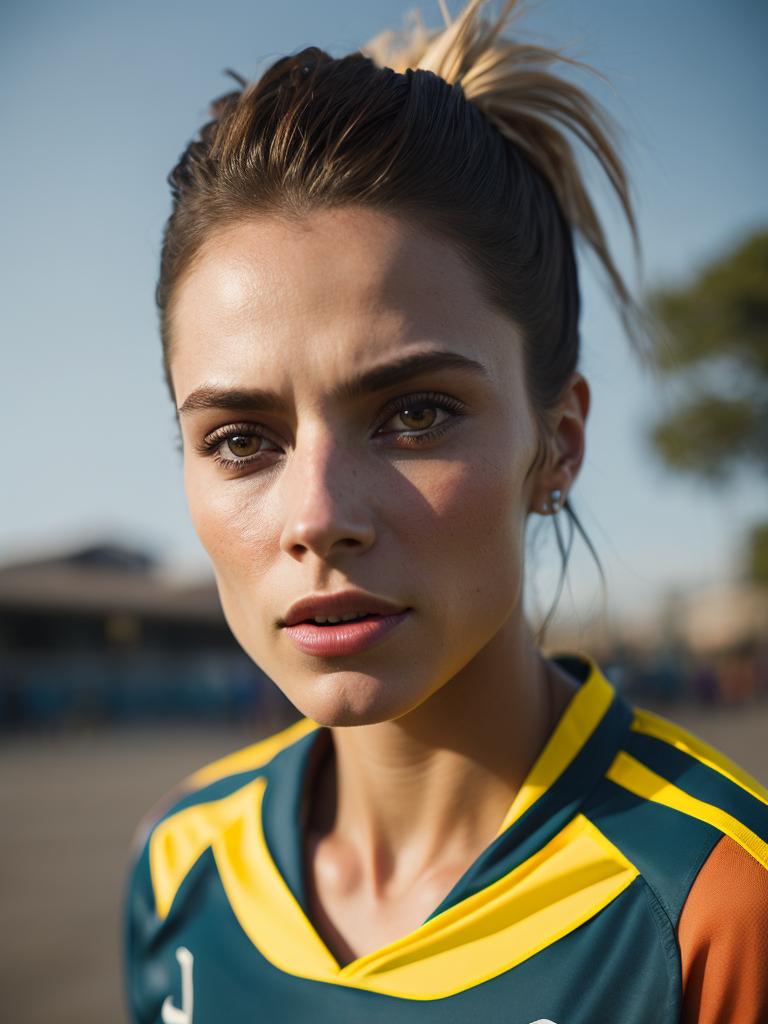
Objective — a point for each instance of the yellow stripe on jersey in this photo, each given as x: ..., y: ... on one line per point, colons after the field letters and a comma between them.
x: 649, y: 724
x: 629, y: 773
x: 263, y: 904
x: 179, y: 841
x: 565, y: 884
x: 569, y: 881
x: 580, y: 719
x: 249, y: 758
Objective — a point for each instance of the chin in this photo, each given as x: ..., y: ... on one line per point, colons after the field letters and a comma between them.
x: 343, y: 699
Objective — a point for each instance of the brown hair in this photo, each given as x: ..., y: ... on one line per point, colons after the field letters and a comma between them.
x: 459, y: 129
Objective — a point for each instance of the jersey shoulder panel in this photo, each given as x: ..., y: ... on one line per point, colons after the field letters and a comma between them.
x: 219, y: 777
x: 672, y: 767
x: 645, y: 723
x: 666, y: 801
x: 194, y: 814
x: 257, y: 755
x: 723, y: 937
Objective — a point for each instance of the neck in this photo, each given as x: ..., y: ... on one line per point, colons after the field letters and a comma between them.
x: 433, y: 786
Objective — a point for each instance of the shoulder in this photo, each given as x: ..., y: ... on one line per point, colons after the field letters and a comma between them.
x: 190, y: 818
x: 251, y: 758
x: 174, y: 887
x: 671, y: 767
x: 723, y: 938
x: 668, y: 799
x: 204, y: 784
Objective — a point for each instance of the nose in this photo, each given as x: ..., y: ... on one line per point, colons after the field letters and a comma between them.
x: 325, y: 511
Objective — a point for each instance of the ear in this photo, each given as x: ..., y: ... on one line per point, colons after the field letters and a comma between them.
x: 565, y: 447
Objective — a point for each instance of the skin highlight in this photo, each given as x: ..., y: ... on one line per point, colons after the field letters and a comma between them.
x: 298, y: 332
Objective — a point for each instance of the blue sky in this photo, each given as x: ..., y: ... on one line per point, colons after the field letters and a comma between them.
x: 97, y: 100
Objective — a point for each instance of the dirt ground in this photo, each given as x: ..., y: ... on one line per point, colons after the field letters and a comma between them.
x: 68, y: 807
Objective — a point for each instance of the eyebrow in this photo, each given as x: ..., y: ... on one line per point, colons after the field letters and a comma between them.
x: 211, y: 397
x: 369, y: 381
x: 390, y: 374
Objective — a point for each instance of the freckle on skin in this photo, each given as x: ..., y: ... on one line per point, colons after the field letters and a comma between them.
x: 435, y: 535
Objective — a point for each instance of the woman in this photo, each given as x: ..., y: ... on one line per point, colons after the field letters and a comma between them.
x: 369, y: 313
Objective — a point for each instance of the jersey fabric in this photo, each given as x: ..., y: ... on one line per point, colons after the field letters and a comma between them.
x: 570, y: 916
x: 723, y: 937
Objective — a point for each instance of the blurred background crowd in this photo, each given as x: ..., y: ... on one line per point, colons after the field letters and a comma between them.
x: 118, y: 673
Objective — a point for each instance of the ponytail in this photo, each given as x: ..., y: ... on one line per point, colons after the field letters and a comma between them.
x: 513, y: 85
x: 462, y: 130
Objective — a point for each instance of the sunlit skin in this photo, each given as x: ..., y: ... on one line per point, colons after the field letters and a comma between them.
x: 307, y: 477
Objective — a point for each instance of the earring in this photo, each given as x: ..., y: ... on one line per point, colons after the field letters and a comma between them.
x: 555, y: 499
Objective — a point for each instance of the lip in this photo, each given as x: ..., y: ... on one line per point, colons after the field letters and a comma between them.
x: 343, y: 602
x: 337, y: 639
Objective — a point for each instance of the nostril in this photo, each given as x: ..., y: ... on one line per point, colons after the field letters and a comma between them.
x: 319, y: 532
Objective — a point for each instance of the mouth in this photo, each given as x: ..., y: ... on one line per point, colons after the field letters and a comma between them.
x: 330, y: 626
x: 334, y: 620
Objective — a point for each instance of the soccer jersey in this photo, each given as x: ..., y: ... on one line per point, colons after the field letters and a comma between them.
x: 570, y: 916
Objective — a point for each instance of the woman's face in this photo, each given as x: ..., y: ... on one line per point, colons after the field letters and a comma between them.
x: 359, y: 449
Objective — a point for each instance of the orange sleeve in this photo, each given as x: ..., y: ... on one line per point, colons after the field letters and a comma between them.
x: 723, y: 936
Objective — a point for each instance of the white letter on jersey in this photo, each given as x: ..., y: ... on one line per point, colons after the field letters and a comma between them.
x: 172, y: 1014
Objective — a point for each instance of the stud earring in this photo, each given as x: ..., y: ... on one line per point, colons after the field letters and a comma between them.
x: 555, y: 499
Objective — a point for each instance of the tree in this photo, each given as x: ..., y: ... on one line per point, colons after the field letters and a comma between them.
x: 716, y: 353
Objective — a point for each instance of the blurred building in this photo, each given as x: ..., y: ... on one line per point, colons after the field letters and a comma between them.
x: 102, y: 635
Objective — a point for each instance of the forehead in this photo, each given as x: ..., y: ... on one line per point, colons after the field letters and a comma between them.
x: 304, y: 301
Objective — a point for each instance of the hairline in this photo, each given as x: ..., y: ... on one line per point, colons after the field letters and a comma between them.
x: 219, y: 228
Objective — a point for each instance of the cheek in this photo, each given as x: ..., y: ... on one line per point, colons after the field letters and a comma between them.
x: 230, y: 519
x: 464, y: 526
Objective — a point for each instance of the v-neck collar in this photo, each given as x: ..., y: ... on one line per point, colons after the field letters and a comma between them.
x: 547, y: 872
x: 572, y: 762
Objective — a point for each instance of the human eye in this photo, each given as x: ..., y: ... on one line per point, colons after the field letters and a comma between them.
x: 241, y: 445
x: 416, y: 419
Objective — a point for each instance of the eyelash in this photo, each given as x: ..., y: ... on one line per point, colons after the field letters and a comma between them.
x: 425, y: 398
x: 212, y: 444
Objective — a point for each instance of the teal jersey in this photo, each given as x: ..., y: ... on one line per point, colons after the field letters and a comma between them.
x: 569, y: 916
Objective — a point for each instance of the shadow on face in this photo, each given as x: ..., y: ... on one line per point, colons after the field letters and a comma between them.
x: 356, y: 429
